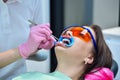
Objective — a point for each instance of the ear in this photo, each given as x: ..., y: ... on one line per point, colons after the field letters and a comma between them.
x: 89, y: 60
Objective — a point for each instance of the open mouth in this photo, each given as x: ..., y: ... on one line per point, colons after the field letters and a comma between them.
x: 68, y: 42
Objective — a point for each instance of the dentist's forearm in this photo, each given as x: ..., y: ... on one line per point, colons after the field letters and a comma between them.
x: 9, y: 56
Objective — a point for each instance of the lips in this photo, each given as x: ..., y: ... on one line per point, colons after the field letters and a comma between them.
x: 60, y: 44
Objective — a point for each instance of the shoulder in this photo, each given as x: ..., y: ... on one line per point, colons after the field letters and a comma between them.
x: 28, y: 76
x: 100, y: 74
x: 35, y: 76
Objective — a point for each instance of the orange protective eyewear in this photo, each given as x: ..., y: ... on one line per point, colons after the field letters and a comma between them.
x: 80, y: 33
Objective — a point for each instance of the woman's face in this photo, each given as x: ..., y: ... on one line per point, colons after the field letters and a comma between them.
x: 80, y: 49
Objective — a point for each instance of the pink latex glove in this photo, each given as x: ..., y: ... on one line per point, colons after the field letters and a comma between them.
x: 48, y: 44
x: 38, y: 34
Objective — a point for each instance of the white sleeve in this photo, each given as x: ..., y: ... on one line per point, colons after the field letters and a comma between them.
x: 41, y: 11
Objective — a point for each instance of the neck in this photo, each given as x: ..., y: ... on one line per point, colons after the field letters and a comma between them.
x: 74, y: 72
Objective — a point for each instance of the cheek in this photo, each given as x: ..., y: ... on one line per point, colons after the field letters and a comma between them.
x: 79, y: 45
x: 78, y: 48
x: 59, y: 50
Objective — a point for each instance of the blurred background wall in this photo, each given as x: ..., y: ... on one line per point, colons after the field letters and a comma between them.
x: 85, y: 12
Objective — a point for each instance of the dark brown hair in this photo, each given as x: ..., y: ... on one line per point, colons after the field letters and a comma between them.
x: 103, y: 56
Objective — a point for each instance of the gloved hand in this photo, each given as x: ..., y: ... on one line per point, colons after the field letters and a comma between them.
x: 47, y: 44
x: 38, y: 34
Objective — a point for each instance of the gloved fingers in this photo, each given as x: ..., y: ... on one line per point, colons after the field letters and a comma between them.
x: 42, y: 32
x: 41, y: 29
x: 42, y: 26
x: 40, y: 38
x: 52, y: 38
x: 48, y: 44
x: 46, y: 28
x: 43, y: 40
x: 46, y: 24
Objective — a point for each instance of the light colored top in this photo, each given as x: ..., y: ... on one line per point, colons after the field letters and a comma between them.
x: 97, y: 74
x: 40, y: 76
x: 15, y: 29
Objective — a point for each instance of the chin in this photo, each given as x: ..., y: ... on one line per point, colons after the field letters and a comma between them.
x: 59, y: 49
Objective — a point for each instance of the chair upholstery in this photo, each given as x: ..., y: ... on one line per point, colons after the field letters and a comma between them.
x: 114, y: 67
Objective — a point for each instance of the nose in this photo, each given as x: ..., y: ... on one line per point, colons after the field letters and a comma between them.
x: 69, y: 33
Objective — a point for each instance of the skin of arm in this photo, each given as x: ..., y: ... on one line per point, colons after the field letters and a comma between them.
x: 9, y: 56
